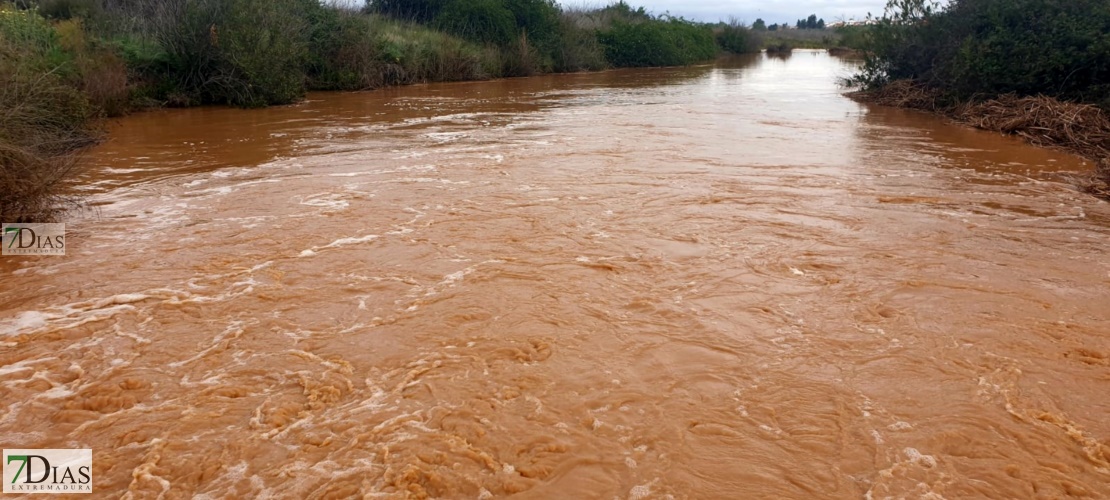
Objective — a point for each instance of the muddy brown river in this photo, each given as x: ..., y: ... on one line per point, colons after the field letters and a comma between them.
x: 722, y: 281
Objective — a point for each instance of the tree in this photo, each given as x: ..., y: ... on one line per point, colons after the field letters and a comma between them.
x: 483, y: 21
x: 801, y: 24
x: 773, y: 27
x: 759, y: 25
x: 820, y: 24
x: 811, y: 23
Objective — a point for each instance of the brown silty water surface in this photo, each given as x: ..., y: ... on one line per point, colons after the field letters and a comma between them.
x: 724, y: 281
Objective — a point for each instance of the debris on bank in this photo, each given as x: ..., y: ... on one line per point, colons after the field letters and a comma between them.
x: 1082, y: 129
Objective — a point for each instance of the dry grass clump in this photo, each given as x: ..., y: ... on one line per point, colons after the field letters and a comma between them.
x: 1082, y: 129
x: 1044, y: 121
x: 44, y: 118
x: 902, y: 94
x: 30, y: 184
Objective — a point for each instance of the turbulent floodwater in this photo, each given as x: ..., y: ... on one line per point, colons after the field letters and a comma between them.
x: 723, y: 281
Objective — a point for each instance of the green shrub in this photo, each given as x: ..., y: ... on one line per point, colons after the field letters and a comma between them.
x: 410, y: 53
x: 239, y: 52
x: 853, y: 37
x: 483, y: 21
x: 419, y: 11
x: 577, y: 49
x: 984, y: 48
x: 264, y: 45
x: 343, y: 53
x: 738, y: 39
x: 539, y: 20
x: 69, y: 9
x: 672, y: 42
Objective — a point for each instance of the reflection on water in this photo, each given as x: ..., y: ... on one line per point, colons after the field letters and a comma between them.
x: 722, y: 281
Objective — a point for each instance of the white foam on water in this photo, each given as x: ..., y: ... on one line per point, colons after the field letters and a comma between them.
x: 328, y: 201
x: 26, y: 320
x: 641, y: 491
x: 22, y: 365
x: 918, y: 458
x: 71, y: 315
x: 340, y: 243
x: 351, y: 241
x: 445, y: 137
x: 878, y: 437
x: 235, y: 329
x: 453, y: 278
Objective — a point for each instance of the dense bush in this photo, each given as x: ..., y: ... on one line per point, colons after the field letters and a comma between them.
x: 343, y: 52
x: 239, y: 52
x: 69, y: 9
x: 669, y: 42
x: 853, y: 37
x: 483, y: 21
x: 411, y: 53
x: 44, y: 115
x: 738, y: 39
x: 577, y: 48
x: 419, y: 11
x: 984, y: 48
x: 538, y: 20
x: 263, y: 47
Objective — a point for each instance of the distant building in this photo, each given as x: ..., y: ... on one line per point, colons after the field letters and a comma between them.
x: 854, y: 22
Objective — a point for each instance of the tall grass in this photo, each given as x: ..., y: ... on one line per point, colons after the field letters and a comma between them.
x: 411, y: 53
x: 737, y: 38
x: 577, y: 47
x: 657, y: 42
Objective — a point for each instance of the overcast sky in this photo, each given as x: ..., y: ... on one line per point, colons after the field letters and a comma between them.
x: 771, y: 11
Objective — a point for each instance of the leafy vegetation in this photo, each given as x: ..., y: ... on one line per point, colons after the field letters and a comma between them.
x: 976, y: 49
x: 657, y: 42
x: 737, y: 39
